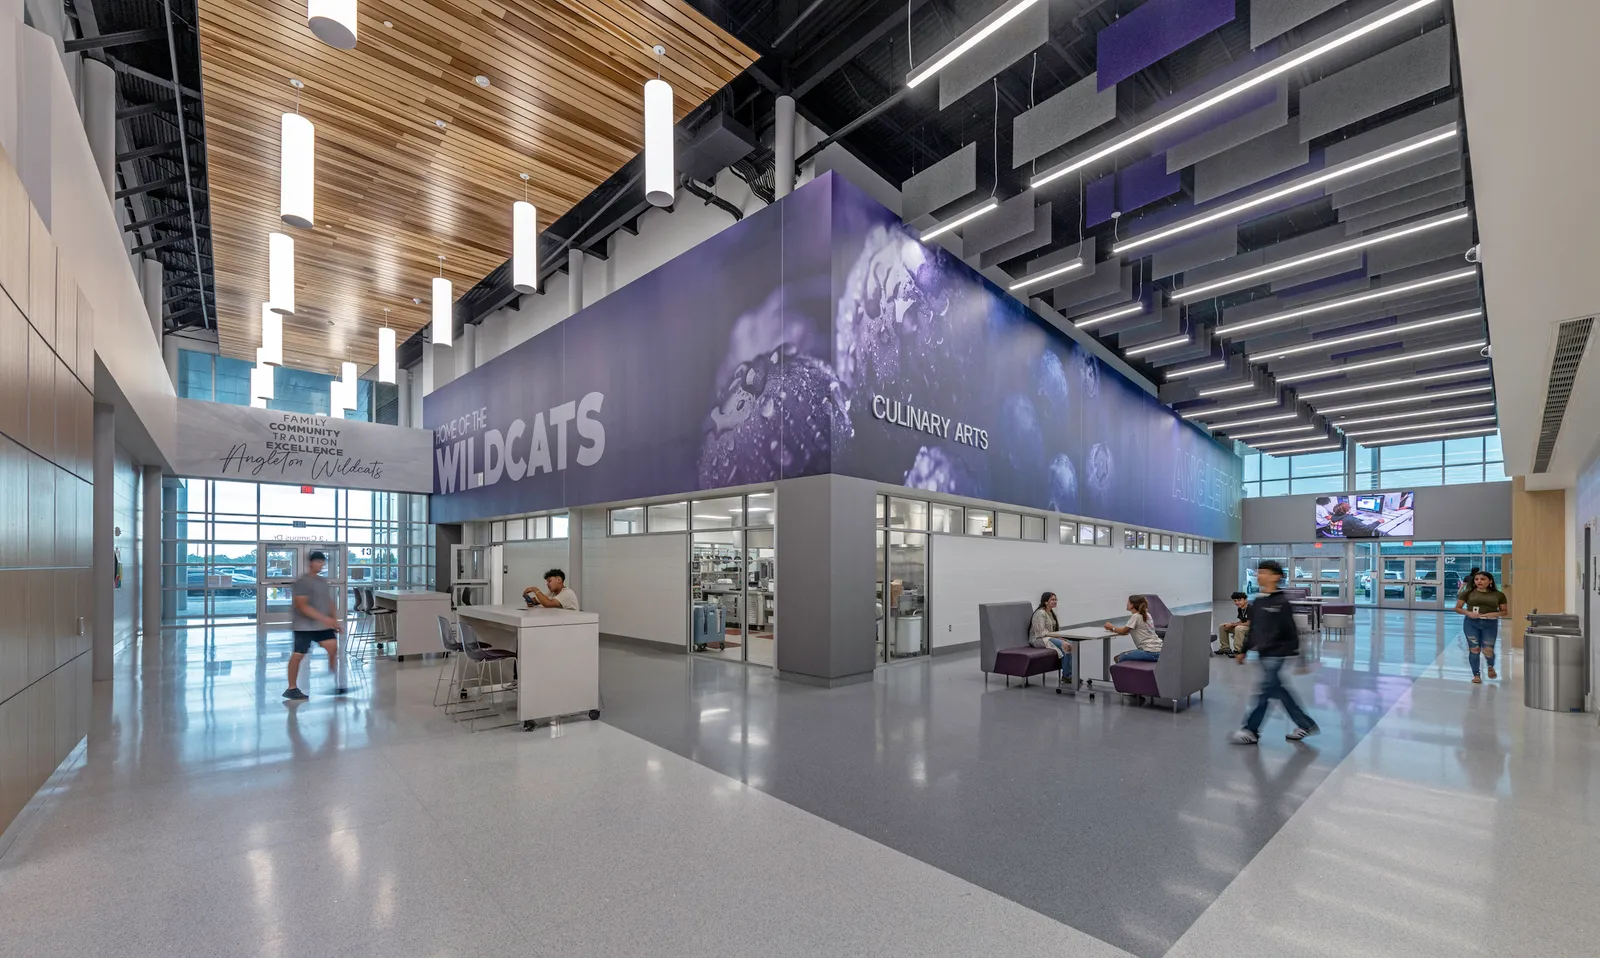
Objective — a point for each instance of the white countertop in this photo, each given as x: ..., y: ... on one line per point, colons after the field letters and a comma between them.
x: 400, y: 595
x: 521, y: 617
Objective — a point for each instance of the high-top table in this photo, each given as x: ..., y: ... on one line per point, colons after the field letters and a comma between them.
x: 416, y: 622
x: 558, y: 656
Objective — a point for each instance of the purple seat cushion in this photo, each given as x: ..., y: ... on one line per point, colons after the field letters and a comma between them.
x: 1026, y: 660
x: 1135, y: 678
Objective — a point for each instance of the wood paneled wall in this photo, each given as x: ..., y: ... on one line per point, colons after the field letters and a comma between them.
x: 46, y: 502
x: 1538, y: 554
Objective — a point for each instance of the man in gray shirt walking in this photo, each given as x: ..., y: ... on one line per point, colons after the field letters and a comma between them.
x: 316, y: 619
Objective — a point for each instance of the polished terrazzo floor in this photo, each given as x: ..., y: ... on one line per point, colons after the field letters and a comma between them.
x: 716, y: 810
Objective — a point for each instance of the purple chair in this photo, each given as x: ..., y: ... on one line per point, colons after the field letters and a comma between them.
x: 999, y: 625
x: 1160, y: 615
x: 1183, y: 669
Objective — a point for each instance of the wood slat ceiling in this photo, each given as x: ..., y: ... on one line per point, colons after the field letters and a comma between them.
x: 394, y: 191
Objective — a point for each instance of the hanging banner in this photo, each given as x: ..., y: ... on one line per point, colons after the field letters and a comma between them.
x: 223, y: 441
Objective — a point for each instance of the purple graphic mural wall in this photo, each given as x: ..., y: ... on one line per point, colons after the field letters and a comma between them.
x: 819, y: 336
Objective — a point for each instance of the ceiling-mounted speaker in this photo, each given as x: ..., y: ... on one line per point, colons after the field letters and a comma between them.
x: 333, y: 22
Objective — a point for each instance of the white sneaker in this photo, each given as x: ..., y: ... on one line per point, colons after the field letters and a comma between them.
x: 1244, y: 737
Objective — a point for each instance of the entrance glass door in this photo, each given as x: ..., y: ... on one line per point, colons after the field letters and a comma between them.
x: 278, y: 564
x: 907, y: 577
x: 1411, y: 582
x: 1321, y: 575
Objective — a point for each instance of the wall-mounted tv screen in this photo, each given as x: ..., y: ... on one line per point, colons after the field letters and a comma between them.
x: 1378, y: 515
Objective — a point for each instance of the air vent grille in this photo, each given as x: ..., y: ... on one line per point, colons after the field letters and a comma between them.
x: 1572, y: 338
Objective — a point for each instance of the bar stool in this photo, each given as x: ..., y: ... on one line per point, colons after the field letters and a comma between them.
x: 383, y: 624
x: 482, y: 656
x: 457, y: 666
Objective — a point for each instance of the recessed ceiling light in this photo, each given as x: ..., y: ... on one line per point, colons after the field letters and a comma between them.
x: 439, y: 123
x: 416, y: 300
x: 481, y: 80
x: 388, y: 23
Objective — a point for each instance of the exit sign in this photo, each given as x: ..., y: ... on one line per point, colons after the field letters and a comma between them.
x: 307, y: 490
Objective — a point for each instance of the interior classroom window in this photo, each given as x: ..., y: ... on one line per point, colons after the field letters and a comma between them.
x: 516, y: 530
x: 908, y: 514
x: 1102, y: 536
x: 667, y: 517
x: 1069, y: 532
x: 948, y: 519
x: 724, y: 513
x: 1009, y: 526
x: 1033, y: 528
x: 980, y: 522
x: 628, y: 521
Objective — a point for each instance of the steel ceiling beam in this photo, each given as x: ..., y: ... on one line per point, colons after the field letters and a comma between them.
x: 123, y: 39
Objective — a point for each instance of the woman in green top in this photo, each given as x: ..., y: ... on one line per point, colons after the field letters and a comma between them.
x: 1484, y: 606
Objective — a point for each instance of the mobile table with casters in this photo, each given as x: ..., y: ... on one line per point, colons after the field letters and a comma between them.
x: 416, y: 613
x: 558, y: 657
x: 1078, y: 636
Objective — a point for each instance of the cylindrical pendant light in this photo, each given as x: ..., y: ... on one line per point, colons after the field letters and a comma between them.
x: 333, y: 22
x: 444, y: 327
x: 297, y: 160
x: 386, y: 351
x: 271, y: 351
x: 261, y: 379
x: 659, y: 175
x: 336, y: 400
x: 280, y: 273
x: 524, y: 243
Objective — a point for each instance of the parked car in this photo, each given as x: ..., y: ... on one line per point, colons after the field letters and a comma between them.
x: 239, y: 584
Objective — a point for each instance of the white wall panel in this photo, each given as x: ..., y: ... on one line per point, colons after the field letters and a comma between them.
x: 638, y: 584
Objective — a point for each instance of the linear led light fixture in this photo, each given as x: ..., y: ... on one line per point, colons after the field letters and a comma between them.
x: 960, y: 221
x: 1109, y: 315
x: 1225, y: 390
x: 1280, y: 431
x: 1224, y: 410
x: 1249, y: 277
x: 1374, y: 363
x: 1431, y: 411
x: 1233, y: 329
x: 1403, y: 400
x: 1473, y: 421
x: 1249, y: 82
x: 1487, y: 431
x: 1391, y: 383
x: 1233, y: 210
x: 1278, y: 417
x: 1027, y: 281
x: 1317, y: 345
x: 1280, y: 443
x: 1195, y: 370
x: 1183, y: 340
x: 1001, y: 18
x: 1329, y: 447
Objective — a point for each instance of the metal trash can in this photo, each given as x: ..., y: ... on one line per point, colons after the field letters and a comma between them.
x: 1553, y: 670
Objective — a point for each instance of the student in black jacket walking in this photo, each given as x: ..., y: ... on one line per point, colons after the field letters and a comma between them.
x: 1275, y: 639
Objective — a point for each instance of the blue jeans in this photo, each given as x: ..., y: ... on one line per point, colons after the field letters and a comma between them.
x: 1272, y: 687
x: 1065, y: 648
x: 1481, y: 634
x: 1139, y: 655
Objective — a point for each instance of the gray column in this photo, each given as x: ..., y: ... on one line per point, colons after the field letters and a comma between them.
x: 100, y: 119
x: 151, y: 275
x: 574, y: 285
x: 826, y: 547
x: 466, y: 349
x: 402, y: 389
x: 150, y: 571
x: 574, y: 569
x: 783, y: 148
x: 169, y: 353
x: 103, y: 574
x: 428, y: 361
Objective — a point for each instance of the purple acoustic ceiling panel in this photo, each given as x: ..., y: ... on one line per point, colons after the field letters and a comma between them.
x: 1144, y: 181
x: 1152, y: 31
x: 1099, y: 200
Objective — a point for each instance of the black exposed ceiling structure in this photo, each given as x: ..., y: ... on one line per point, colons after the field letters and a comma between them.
x: 161, y: 158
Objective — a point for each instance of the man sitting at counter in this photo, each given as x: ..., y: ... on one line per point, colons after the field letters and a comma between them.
x: 559, y: 596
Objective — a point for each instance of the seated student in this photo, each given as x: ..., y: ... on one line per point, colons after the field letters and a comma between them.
x: 1041, y: 632
x: 559, y: 597
x: 1230, y: 635
x: 1147, y: 644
